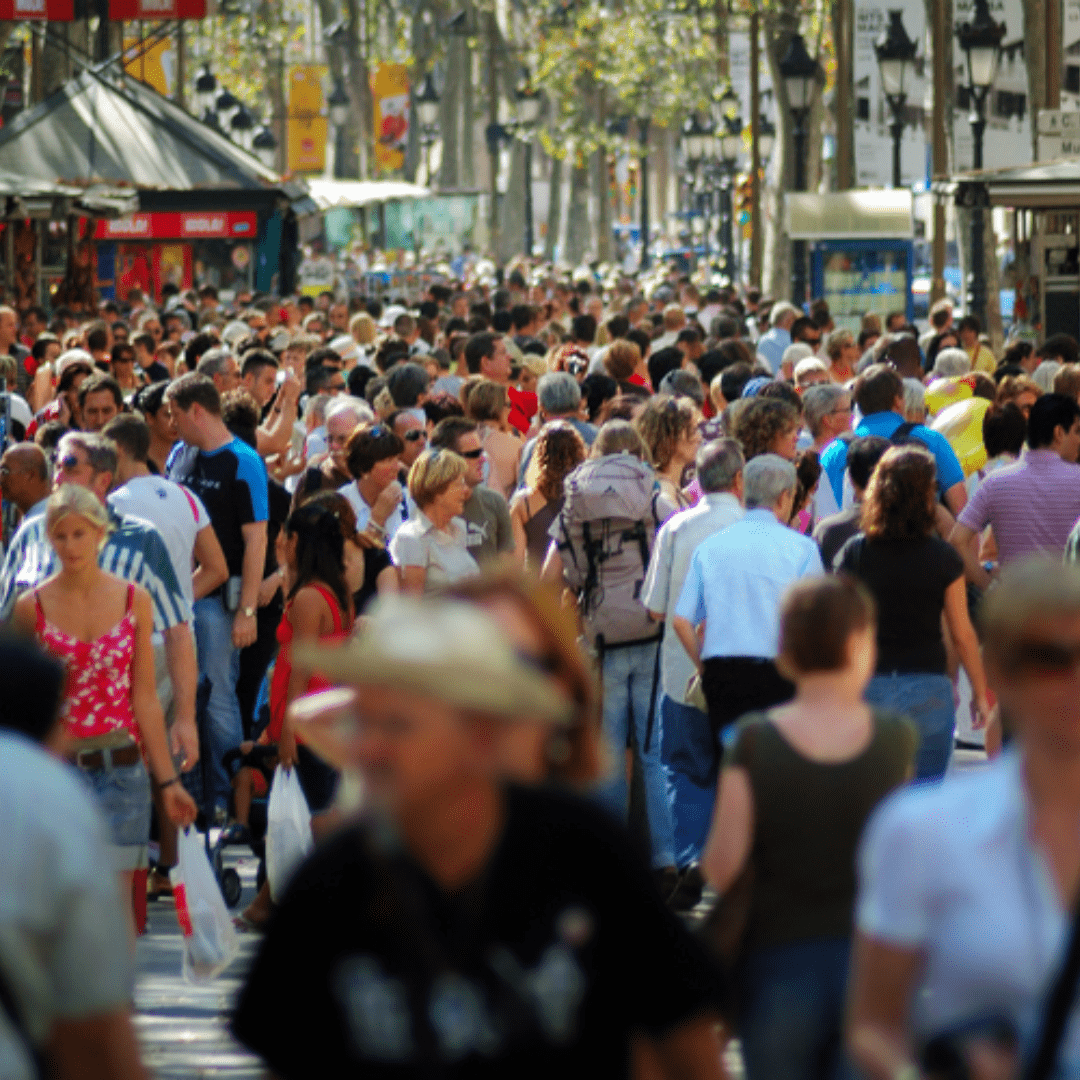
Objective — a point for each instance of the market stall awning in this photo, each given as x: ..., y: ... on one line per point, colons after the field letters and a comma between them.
x: 106, y: 126
x: 1044, y: 186
x: 849, y: 215
x: 353, y: 194
x: 27, y: 198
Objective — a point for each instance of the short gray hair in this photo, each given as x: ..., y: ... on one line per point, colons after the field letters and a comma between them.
x: 950, y: 362
x: 836, y: 341
x: 213, y: 361
x: 914, y: 396
x: 100, y: 452
x: 795, y: 352
x: 781, y: 310
x: 818, y: 402
x: 681, y: 383
x: 1043, y: 375
x: 558, y: 393
x: 359, y: 410
x: 765, y: 479
x: 718, y: 463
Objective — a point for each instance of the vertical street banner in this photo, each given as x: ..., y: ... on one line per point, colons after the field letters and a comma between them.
x: 873, y: 117
x: 1008, y: 108
x: 307, y: 127
x: 390, y: 94
x: 1070, y: 54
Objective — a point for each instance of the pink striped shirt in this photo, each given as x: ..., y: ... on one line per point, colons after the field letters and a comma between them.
x: 1032, y: 505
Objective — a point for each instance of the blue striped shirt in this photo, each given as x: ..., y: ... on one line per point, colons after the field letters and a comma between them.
x: 134, y: 551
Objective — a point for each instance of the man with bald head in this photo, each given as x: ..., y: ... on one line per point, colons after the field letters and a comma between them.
x: 24, y: 478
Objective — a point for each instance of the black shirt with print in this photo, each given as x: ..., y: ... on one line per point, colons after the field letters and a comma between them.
x: 543, y: 968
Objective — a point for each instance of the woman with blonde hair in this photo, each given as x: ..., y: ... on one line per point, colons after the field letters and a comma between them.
x: 489, y: 405
x: 429, y: 549
x: 100, y: 627
x: 559, y: 450
x: 1021, y: 390
x: 669, y: 428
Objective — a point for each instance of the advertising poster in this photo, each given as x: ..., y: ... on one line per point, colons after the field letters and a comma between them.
x: 307, y: 127
x: 390, y: 92
x: 151, y: 62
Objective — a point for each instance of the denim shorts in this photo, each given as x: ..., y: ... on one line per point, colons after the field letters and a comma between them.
x: 123, y: 795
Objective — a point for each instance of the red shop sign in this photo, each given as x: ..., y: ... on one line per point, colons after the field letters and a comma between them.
x: 157, y: 9
x: 187, y: 225
x: 45, y: 10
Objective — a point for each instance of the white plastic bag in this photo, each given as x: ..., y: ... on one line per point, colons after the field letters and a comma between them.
x: 210, y: 940
x: 288, y: 830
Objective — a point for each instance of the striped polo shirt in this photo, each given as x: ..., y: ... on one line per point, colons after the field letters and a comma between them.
x: 133, y: 551
x: 1032, y: 505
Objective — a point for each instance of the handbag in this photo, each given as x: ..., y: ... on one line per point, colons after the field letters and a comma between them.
x: 944, y: 1056
x: 723, y: 930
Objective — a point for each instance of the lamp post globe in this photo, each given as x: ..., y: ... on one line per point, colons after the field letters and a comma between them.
x: 896, y: 61
x: 427, y: 103
x: 205, y: 89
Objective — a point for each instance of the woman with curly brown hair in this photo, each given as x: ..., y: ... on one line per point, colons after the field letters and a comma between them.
x: 768, y: 425
x: 669, y: 428
x: 559, y: 450
x: 916, y: 578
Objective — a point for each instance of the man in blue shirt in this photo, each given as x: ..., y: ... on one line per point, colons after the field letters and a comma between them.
x: 230, y: 478
x: 771, y: 346
x: 879, y: 394
x: 735, y: 584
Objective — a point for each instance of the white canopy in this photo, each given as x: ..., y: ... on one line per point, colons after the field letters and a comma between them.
x: 350, y: 194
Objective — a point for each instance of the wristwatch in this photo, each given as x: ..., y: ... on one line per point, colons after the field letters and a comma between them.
x: 248, y: 612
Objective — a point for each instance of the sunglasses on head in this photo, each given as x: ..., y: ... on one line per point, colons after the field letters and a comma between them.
x: 1044, y: 657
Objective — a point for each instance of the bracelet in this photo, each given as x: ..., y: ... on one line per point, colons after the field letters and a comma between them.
x: 169, y: 783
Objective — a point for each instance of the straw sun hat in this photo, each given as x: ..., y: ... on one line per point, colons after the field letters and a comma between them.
x: 444, y: 649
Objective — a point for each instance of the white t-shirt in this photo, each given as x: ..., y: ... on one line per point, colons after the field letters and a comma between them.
x: 177, y: 513
x: 363, y: 511
x: 64, y: 945
x: 445, y: 556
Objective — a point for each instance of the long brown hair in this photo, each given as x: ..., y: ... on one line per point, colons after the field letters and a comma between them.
x: 901, y: 496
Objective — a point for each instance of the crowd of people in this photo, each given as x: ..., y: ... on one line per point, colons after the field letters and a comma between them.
x: 639, y: 601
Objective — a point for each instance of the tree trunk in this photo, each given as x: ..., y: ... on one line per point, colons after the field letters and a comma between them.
x: 512, y: 225
x: 468, y: 117
x: 577, y: 218
x: 450, y: 113
x: 554, y: 217
x: 1035, y: 38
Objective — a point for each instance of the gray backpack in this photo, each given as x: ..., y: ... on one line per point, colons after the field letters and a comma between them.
x: 604, y: 534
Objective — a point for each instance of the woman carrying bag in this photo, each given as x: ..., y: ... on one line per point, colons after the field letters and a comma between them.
x: 796, y: 789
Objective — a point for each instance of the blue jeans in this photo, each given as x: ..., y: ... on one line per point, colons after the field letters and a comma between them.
x: 691, y: 760
x: 927, y: 700
x: 219, y: 664
x: 792, y: 1011
x: 628, y: 674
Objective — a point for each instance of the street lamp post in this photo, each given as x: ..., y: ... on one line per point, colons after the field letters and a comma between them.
x: 338, y: 105
x: 980, y: 41
x: 731, y: 144
x: 896, y: 61
x: 427, y: 112
x: 643, y: 180
x: 528, y: 104
x: 800, y: 72
x: 696, y: 138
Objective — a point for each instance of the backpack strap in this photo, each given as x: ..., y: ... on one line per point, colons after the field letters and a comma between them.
x: 902, y: 434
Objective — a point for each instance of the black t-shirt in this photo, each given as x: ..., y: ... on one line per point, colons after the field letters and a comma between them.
x: 908, y: 579
x: 542, y: 968
x: 833, y: 532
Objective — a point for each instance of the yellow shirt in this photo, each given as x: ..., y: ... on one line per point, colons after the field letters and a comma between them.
x: 983, y: 360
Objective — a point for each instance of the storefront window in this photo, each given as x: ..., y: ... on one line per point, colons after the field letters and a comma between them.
x: 225, y: 264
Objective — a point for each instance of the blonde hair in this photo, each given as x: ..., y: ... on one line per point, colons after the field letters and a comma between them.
x: 362, y: 327
x: 432, y: 473
x: 71, y: 500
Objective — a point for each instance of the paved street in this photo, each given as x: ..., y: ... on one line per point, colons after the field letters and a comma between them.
x: 182, y: 1027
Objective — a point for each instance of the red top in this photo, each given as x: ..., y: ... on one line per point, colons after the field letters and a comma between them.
x: 279, y: 681
x: 523, y: 406
x: 98, y: 698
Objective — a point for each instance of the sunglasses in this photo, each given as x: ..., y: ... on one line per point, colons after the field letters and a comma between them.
x: 70, y: 461
x: 415, y: 435
x: 471, y: 455
x: 1044, y: 657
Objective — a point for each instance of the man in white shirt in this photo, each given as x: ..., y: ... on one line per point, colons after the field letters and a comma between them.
x: 179, y: 515
x: 687, y: 743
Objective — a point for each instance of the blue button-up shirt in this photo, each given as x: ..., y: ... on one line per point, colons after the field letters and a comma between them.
x: 737, y: 579
x: 771, y: 347
x: 834, y: 457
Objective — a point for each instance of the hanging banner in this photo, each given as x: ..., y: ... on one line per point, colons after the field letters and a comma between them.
x: 307, y: 127
x: 390, y: 91
x: 45, y: 10
x: 1008, y: 110
x: 151, y: 62
x: 156, y: 9
x: 1070, y: 54
x: 873, y: 116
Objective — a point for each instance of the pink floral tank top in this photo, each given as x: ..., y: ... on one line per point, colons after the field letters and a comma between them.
x: 98, y: 698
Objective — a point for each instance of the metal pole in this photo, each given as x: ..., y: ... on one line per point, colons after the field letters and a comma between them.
x: 727, y: 215
x: 757, y: 227
x: 798, y: 271
x: 977, y: 277
x: 897, y: 129
x: 643, y: 169
x: 493, y: 146
x: 528, y: 196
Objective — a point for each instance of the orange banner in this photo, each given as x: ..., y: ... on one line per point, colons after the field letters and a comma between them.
x: 307, y: 127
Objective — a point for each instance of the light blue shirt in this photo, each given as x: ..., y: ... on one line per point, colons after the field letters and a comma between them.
x: 772, y: 345
x: 675, y: 545
x: 737, y: 581
x: 949, y: 870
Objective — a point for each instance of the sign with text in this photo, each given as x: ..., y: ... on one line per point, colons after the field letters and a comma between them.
x: 157, y: 9
x: 190, y: 225
x: 44, y: 10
